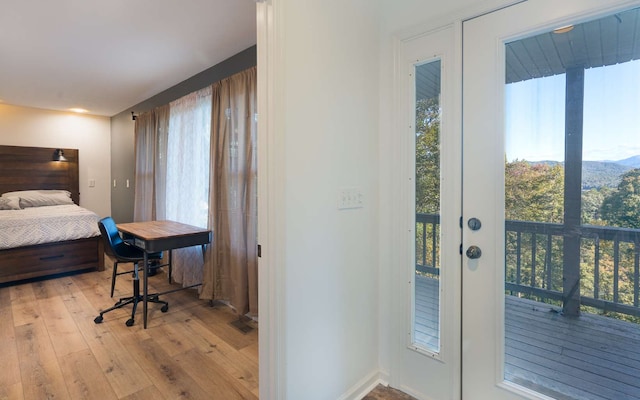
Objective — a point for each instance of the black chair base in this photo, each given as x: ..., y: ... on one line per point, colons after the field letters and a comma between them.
x: 137, y: 298
x: 152, y: 269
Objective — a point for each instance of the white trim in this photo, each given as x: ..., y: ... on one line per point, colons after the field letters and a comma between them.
x: 272, y: 349
x: 394, y: 235
x: 363, y: 387
x: 463, y: 14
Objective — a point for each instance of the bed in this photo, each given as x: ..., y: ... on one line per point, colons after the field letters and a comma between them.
x: 75, y: 244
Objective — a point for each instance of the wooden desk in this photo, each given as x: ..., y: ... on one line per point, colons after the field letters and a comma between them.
x: 156, y: 236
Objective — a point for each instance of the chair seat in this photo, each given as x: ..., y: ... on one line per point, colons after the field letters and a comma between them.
x: 128, y: 253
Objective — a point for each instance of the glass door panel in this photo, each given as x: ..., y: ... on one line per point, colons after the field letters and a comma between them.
x: 572, y: 97
x: 426, y: 305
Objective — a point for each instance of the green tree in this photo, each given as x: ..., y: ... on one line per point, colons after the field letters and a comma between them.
x: 427, y: 175
x: 622, y: 206
x: 591, y: 205
x: 534, y: 192
x: 428, y: 156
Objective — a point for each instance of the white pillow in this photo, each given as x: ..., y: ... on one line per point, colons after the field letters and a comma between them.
x: 40, y: 198
x: 9, y: 203
x: 24, y: 193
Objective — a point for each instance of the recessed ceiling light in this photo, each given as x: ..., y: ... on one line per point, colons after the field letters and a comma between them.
x: 563, y: 29
x: 79, y: 110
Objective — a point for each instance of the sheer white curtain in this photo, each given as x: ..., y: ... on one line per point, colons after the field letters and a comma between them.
x: 187, y: 176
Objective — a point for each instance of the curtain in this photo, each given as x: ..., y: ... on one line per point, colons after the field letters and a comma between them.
x: 187, y: 181
x: 150, y: 141
x: 196, y: 164
x: 230, y: 270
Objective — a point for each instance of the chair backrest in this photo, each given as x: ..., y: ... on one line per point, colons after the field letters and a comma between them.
x: 110, y: 235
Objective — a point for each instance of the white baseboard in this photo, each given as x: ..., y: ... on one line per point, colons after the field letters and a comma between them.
x: 364, y: 386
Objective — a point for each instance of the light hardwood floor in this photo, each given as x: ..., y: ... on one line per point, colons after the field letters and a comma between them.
x: 387, y: 393
x: 50, y: 348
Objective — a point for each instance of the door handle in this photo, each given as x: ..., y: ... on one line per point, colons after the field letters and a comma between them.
x: 474, y: 224
x: 474, y: 252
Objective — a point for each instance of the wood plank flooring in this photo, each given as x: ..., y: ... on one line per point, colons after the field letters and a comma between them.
x: 52, y: 349
x: 586, y: 358
x: 381, y: 392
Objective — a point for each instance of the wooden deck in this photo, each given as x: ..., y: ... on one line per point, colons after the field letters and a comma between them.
x: 586, y: 358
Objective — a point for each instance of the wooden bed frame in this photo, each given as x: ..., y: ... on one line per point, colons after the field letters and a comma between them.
x: 28, y: 168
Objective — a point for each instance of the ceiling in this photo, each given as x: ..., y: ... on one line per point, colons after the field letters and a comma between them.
x: 609, y: 40
x: 108, y: 56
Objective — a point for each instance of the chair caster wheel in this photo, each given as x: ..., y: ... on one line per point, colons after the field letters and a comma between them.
x: 98, y: 319
x: 129, y: 322
x: 165, y: 308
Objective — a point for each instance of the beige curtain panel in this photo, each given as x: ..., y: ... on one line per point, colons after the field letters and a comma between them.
x: 151, y: 129
x: 230, y: 270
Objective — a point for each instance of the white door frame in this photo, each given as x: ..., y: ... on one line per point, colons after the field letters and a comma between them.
x: 271, y: 288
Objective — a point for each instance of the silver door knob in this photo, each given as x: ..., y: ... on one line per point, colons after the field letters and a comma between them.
x: 474, y: 252
x: 474, y: 224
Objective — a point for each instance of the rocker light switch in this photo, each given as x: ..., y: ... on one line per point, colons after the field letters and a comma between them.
x: 350, y: 198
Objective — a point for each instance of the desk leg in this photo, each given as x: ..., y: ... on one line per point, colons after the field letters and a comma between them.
x: 170, y: 263
x: 145, y: 292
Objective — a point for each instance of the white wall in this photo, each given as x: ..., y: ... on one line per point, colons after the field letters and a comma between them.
x: 326, y: 118
x: 91, y: 135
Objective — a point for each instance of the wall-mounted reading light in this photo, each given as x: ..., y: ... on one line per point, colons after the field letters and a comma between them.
x: 58, y: 155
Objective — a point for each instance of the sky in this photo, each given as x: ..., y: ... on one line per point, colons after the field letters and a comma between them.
x: 535, y: 115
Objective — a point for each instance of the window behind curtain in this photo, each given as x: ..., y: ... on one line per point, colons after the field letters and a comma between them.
x: 187, y: 189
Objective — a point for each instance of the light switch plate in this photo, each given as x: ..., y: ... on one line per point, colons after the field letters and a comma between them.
x: 350, y: 197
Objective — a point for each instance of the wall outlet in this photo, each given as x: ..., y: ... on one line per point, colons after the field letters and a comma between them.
x: 350, y: 198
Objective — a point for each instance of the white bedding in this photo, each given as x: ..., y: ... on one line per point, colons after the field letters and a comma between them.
x: 38, y: 225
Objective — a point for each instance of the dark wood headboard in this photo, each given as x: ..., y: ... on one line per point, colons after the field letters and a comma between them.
x: 31, y: 168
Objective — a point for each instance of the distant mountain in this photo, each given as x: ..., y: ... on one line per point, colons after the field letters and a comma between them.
x: 596, y: 174
x: 633, y: 162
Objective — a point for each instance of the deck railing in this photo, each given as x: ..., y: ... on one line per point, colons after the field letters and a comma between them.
x: 535, y: 263
x: 427, y: 244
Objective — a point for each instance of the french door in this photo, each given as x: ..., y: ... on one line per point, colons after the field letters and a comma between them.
x: 513, y: 272
x: 530, y: 337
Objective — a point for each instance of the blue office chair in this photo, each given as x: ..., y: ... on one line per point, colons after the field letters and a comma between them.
x: 123, y: 252
x: 117, y: 241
